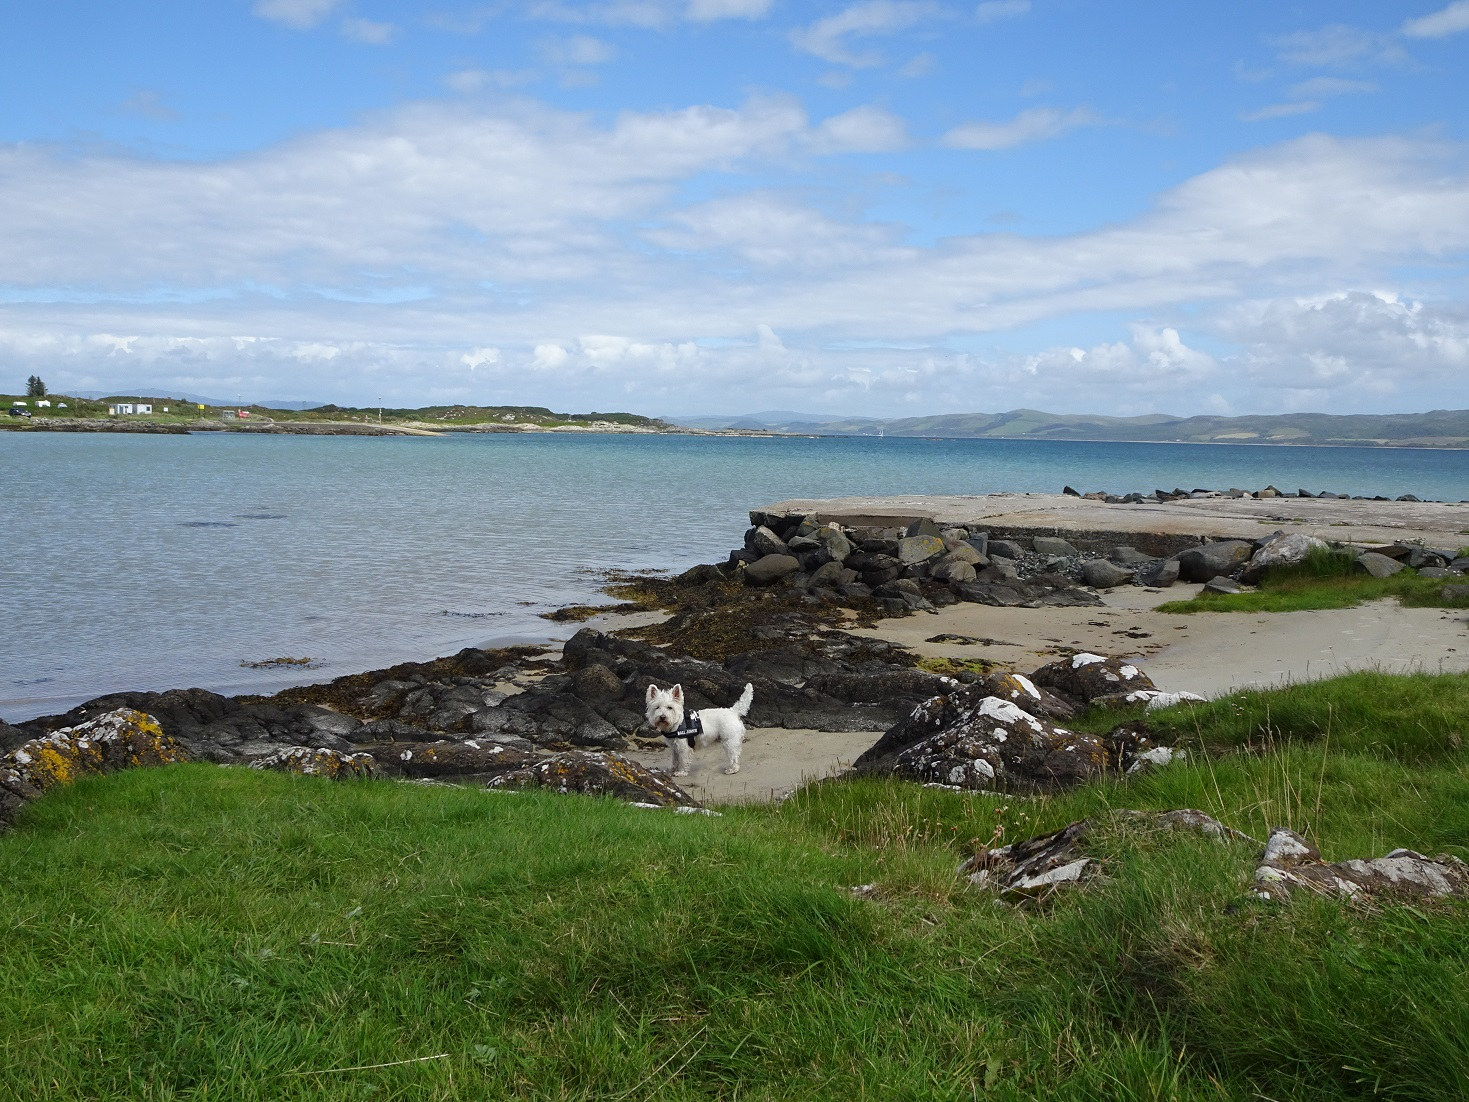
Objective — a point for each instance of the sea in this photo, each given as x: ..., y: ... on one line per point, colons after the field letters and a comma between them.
x: 157, y: 562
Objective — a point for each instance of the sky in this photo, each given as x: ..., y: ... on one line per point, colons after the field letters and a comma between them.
x: 679, y: 207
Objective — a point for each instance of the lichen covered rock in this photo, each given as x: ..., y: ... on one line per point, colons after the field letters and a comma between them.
x: 596, y: 774
x: 1085, y: 677
x: 998, y: 745
x: 122, y: 739
x: 1290, y: 863
x: 318, y: 762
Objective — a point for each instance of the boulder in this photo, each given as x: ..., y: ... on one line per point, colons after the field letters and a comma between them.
x: 469, y: 758
x: 914, y: 549
x: 121, y: 739
x: 1290, y: 863
x: 771, y: 568
x: 1283, y: 551
x: 1086, y: 677
x: 1037, y: 867
x: 834, y: 543
x: 589, y: 773
x: 1005, y: 549
x: 1199, y: 564
x: 1159, y: 575
x: 953, y: 570
x: 1025, y: 693
x: 1128, y: 556
x: 1055, y: 545
x: 1101, y: 574
x: 997, y: 745
x: 1224, y: 585
x: 1378, y: 565
x: 763, y: 541
x: 308, y: 761
x: 923, y: 526
x: 1455, y: 592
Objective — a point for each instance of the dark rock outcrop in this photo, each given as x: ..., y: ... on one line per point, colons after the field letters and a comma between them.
x: 1289, y: 863
x: 596, y: 774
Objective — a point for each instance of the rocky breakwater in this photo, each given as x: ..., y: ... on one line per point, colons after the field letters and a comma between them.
x: 1155, y: 497
x: 904, y: 569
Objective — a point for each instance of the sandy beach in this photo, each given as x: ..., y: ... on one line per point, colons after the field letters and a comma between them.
x: 1206, y: 653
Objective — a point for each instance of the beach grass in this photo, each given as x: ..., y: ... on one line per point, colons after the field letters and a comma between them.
x: 197, y: 932
x: 1325, y: 579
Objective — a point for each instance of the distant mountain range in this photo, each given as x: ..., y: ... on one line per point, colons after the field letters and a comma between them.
x: 1442, y: 428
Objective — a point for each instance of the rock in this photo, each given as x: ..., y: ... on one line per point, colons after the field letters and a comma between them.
x: 1224, y: 586
x: 1101, y: 574
x: 1085, y: 677
x: 953, y: 570
x: 1379, y: 566
x: 829, y: 574
x: 1283, y: 551
x: 1025, y: 693
x: 1199, y: 564
x: 1289, y: 863
x: 1055, y: 545
x: 990, y: 744
x: 1128, y: 556
x: 703, y: 574
x: 914, y: 549
x: 763, y: 541
x: 1036, y: 867
x: 1157, y: 756
x: 770, y: 568
x: 120, y: 739
x: 1159, y: 575
x: 923, y: 526
x: 1455, y: 592
x: 964, y: 551
x: 1005, y: 549
x: 834, y: 543
x: 596, y: 774
x: 448, y: 759
x: 318, y: 762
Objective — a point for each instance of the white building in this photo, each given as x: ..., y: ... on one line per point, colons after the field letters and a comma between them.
x: 130, y: 407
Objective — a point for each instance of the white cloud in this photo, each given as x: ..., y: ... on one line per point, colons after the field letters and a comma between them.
x: 1035, y: 124
x: 705, y: 11
x: 1337, y: 45
x: 828, y: 38
x: 989, y: 11
x: 422, y: 240
x: 1282, y: 110
x: 369, y: 32
x: 1440, y: 24
x: 149, y: 105
x: 577, y: 50
x: 1322, y: 87
x: 861, y: 130
x: 299, y: 15
x: 469, y: 81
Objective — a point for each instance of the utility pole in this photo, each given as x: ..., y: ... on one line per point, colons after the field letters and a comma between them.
x: 379, y: 410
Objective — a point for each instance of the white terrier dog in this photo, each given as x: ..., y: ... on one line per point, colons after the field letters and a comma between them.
x: 684, y: 732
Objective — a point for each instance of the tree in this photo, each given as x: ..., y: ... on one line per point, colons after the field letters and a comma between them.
x: 35, y: 388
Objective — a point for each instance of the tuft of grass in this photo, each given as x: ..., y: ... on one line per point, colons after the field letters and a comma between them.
x: 1325, y: 579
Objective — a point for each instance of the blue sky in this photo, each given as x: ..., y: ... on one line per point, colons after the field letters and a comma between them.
x: 889, y: 207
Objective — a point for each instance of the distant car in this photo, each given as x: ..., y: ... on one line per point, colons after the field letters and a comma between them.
x: 16, y: 411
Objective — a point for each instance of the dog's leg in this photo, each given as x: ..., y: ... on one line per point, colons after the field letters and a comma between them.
x: 680, y: 757
x: 732, y: 750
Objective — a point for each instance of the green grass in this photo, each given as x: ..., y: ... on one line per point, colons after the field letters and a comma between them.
x: 205, y: 933
x: 1325, y: 580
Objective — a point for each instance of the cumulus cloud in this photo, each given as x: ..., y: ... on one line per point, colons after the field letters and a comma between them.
x: 1035, y: 124
x: 580, y: 49
x: 861, y: 130
x: 300, y: 15
x: 829, y: 38
x: 532, y: 251
x: 705, y: 11
x: 1440, y: 24
x: 989, y: 11
x: 1337, y: 45
x: 369, y: 32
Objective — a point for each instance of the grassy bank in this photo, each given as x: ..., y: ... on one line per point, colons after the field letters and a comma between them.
x: 1327, y: 579
x: 197, y: 932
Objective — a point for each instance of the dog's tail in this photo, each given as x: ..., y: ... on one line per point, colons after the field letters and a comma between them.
x: 742, y: 705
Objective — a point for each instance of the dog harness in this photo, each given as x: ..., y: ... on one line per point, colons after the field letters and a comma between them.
x: 691, y: 728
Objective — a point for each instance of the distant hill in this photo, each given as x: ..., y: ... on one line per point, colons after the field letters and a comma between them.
x: 1436, y: 429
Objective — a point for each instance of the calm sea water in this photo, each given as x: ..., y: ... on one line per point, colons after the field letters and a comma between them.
x: 154, y: 562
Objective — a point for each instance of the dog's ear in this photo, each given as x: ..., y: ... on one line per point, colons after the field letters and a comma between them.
x: 678, y: 693
x: 652, y: 692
